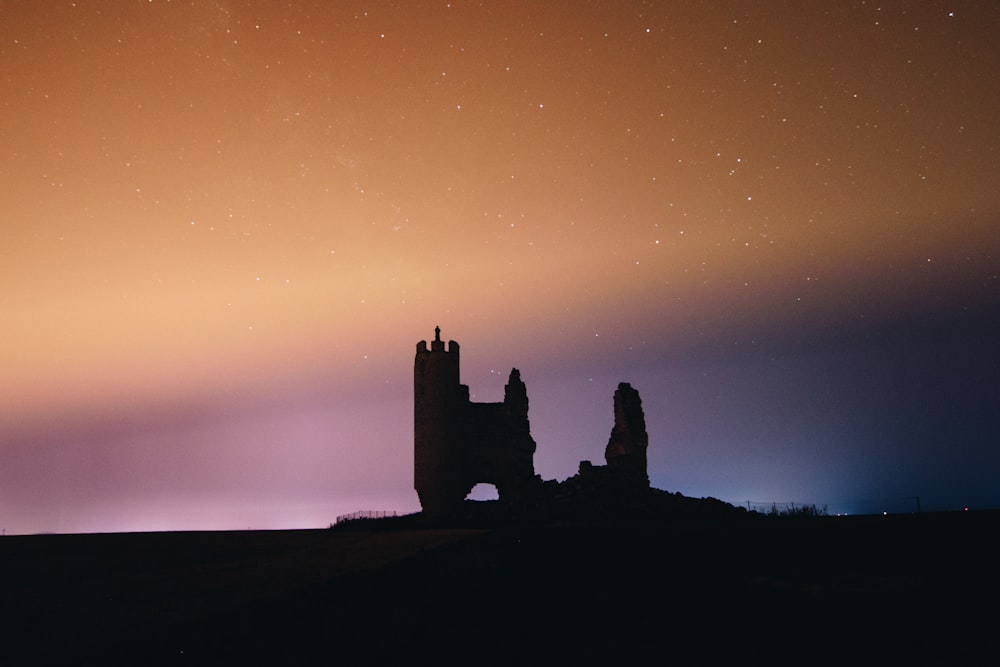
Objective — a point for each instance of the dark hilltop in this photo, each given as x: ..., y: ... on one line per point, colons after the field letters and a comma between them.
x: 819, y: 591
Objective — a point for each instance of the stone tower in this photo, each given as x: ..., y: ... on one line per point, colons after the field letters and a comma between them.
x: 437, y: 406
x: 458, y: 444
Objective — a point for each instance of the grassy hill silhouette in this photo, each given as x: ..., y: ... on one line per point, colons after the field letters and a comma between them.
x: 691, y: 590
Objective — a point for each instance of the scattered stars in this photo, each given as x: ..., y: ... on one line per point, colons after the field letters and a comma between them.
x: 386, y: 164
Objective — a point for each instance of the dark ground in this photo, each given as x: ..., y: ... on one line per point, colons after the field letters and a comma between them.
x: 917, y: 588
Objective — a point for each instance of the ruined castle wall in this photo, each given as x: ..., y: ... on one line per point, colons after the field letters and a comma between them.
x: 626, y: 449
x: 457, y: 443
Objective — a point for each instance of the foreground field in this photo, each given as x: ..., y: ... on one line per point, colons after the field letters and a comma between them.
x: 817, y: 590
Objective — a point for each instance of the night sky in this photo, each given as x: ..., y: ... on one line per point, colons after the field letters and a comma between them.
x: 225, y: 226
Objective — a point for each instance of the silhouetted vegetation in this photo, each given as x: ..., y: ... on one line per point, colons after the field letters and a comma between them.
x: 797, y: 511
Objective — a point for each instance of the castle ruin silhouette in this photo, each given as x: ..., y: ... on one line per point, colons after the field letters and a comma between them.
x: 458, y: 444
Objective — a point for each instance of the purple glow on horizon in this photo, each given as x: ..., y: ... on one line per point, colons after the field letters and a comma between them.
x: 225, y: 228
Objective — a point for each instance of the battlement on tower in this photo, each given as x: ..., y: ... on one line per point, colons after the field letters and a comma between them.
x: 437, y: 345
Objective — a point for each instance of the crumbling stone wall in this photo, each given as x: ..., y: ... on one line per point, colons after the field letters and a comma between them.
x: 622, y: 484
x: 457, y: 443
x: 626, y: 450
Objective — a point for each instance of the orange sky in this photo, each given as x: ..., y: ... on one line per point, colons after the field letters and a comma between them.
x: 244, y: 201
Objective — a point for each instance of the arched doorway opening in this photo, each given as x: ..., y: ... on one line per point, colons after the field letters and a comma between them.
x: 483, y: 491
